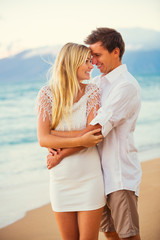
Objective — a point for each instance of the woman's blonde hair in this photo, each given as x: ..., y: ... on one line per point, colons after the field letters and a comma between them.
x: 63, y: 80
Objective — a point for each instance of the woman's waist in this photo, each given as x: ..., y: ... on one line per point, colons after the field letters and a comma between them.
x: 86, y: 163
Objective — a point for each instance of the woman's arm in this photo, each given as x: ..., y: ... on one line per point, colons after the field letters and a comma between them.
x: 67, y: 134
x: 78, y: 133
x: 54, y: 160
x: 46, y: 139
x: 92, y: 107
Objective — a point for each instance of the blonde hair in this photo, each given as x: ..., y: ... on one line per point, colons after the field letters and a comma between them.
x: 63, y: 80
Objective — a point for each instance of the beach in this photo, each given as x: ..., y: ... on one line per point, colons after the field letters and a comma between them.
x: 24, y: 179
x: 40, y: 224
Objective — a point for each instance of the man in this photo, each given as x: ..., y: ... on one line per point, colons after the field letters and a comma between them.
x: 120, y: 100
x: 120, y: 105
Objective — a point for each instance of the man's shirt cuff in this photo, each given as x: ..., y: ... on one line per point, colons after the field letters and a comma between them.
x: 104, y: 122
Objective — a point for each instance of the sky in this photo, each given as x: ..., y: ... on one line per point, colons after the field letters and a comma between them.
x: 26, y: 24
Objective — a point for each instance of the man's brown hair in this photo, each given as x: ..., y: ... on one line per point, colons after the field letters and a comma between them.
x: 109, y: 38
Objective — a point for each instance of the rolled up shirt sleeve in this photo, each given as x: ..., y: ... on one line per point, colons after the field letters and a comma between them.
x: 119, y: 106
x: 103, y: 118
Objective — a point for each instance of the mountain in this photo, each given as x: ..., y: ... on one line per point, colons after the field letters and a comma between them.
x: 142, y: 56
x: 140, y: 62
x: 143, y: 62
x: 32, y: 65
x: 26, y: 66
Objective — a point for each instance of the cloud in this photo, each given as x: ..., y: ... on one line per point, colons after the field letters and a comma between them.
x: 135, y: 39
x: 8, y: 50
x: 42, y: 51
x: 134, y: 47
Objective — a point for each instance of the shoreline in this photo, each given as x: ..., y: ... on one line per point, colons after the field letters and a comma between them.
x: 40, y: 223
x: 27, y: 185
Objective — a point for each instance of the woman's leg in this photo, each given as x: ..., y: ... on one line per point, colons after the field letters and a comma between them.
x: 68, y: 225
x: 89, y: 222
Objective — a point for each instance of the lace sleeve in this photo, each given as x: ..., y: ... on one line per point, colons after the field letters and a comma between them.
x: 44, y: 102
x: 93, y: 102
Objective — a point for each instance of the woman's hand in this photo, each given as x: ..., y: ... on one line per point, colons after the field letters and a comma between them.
x: 91, y: 138
x: 53, y: 160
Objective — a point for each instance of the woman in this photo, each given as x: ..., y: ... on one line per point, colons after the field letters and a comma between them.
x: 68, y: 104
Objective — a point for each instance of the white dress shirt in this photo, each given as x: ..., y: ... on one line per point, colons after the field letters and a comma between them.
x: 120, y: 105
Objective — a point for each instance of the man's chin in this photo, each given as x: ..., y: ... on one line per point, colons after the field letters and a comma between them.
x: 102, y: 70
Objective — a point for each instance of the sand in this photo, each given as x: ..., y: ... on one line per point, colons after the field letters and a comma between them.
x: 40, y: 224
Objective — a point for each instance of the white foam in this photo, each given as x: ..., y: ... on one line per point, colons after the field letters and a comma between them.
x: 17, y: 201
x: 24, y: 181
x: 149, y: 154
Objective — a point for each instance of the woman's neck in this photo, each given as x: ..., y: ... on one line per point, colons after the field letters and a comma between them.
x: 80, y: 93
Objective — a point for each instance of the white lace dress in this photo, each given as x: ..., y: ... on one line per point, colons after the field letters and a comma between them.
x: 76, y: 184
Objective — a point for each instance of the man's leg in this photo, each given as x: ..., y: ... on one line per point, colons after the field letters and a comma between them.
x: 137, y: 237
x: 111, y: 236
x: 107, y: 225
x: 123, y: 206
x: 114, y: 236
x: 120, y: 216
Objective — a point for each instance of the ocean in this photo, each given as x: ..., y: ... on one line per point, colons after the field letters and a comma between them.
x: 24, y: 178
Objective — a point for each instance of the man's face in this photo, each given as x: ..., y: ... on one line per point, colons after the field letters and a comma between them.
x: 104, y: 60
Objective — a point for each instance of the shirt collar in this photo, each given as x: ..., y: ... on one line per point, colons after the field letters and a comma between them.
x: 111, y: 76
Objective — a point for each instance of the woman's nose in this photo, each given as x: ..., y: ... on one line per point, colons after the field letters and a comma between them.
x: 91, y: 66
x: 94, y: 60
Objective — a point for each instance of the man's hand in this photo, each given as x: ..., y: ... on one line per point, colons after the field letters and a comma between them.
x: 92, y: 138
x: 54, y: 151
x: 53, y: 160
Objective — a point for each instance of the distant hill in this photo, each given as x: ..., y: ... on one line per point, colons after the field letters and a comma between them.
x: 143, y: 62
x: 22, y: 68
x: 33, y: 66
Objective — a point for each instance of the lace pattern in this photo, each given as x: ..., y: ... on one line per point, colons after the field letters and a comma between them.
x: 91, y: 99
x: 44, y: 102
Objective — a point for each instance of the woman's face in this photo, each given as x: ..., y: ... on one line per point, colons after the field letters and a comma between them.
x: 83, y: 72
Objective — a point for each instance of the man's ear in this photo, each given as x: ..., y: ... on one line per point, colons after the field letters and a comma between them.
x: 116, y: 52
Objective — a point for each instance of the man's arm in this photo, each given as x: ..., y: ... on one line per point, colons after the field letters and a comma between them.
x: 52, y: 161
x: 55, y: 156
x: 71, y: 134
x: 46, y: 139
x: 121, y: 104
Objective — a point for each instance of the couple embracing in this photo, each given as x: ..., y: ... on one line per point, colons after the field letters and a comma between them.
x: 94, y: 171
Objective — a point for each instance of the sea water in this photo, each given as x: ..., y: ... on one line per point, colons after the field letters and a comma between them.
x: 24, y: 178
